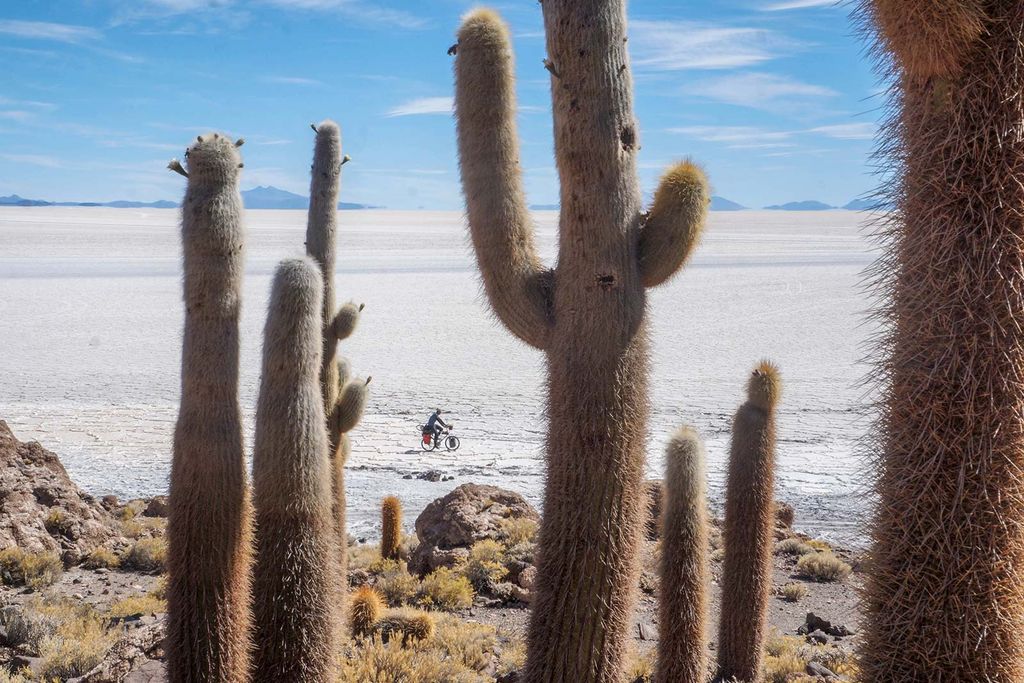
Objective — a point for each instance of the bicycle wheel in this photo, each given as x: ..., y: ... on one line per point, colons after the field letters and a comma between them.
x: 427, y: 445
x: 452, y: 443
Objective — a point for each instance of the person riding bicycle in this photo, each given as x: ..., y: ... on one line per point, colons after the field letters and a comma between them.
x: 435, y: 425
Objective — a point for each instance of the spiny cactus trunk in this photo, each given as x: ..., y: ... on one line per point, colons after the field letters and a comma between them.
x: 321, y: 244
x: 209, y: 524
x: 749, y: 531
x: 684, y: 579
x: 587, y: 317
x: 944, y: 597
x: 296, y: 581
x: 597, y: 364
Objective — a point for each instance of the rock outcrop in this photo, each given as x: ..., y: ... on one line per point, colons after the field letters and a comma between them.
x: 42, y: 510
x: 448, y: 526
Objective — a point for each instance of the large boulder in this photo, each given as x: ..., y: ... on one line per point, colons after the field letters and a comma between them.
x: 448, y: 526
x: 41, y: 509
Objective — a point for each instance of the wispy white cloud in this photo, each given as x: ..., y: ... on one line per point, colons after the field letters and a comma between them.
x: 847, y: 131
x: 33, y: 160
x: 799, y: 4
x: 759, y: 90
x: 44, y: 30
x: 754, y: 137
x: 19, y: 115
x: 231, y: 11
x: 293, y: 80
x: 423, y: 105
x: 679, y: 45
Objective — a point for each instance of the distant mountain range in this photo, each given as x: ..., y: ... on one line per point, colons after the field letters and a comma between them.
x: 269, y: 197
x: 256, y: 198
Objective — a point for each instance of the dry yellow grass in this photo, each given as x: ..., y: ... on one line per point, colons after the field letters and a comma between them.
x: 822, y: 567
x: 515, y: 530
x: 394, y: 582
x: 793, y: 592
x: 793, y: 546
x: 147, y: 555
x: 36, y: 570
x: 137, y: 604
x: 102, y: 557
x: 445, y: 589
x: 485, y: 565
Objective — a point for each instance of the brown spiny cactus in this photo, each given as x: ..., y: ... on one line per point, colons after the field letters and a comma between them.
x: 944, y: 596
x: 296, y: 579
x: 210, y: 517
x: 365, y: 609
x: 588, y: 317
x: 749, y: 530
x: 391, y: 528
x: 684, y: 578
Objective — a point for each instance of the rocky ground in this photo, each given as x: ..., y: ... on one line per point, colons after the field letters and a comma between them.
x: 82, y: 588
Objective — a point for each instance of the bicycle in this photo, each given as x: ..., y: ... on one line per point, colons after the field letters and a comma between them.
x: 447, y: 439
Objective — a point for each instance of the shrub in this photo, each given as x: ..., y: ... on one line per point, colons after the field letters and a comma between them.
x: 147, y: 555
x: 102, y: 557
x: 793, y: 592
x: 78, y: 645
x: 470, y: 644
x: 640, y: 667
x: 819, y: 544
x: 395, y: 582
x: 446, y: 590
x: 137, y: 604
x: 26, y: 627
x: 485, y: 565
x: 822, y: 567
x: 512, y: 657
x: 379, y: 662
x: 54, y: 520
x: 515, y: 530
x: 793, y: 546
x: 363, y: 557
x: 36, y: 570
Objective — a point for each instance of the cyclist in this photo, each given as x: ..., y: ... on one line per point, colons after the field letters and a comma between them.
x: 435, y: 424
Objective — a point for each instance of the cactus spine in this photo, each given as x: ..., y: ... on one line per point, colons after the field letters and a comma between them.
x: 296, y: 544
x: 683, y: 599
x: 749, y: 533
x: 588, y: 317
x: 343, y: 398
x: 209, y: 525
x: 944, y: 596
x: 391, y: 527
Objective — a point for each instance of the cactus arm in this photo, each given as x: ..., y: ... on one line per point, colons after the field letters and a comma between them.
x: 517, y: 284
x: 674, y: 224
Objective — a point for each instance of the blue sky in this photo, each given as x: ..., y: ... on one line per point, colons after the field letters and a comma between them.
x: 774, y: 97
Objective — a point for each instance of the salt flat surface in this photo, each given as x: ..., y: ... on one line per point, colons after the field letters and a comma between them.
x: 90, y: 343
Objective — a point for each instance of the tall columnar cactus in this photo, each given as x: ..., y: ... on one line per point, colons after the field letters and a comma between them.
x: 343, y: 397
x: 588, y: 316
x: 749, y: 529
x: 209, y: 525
x: 944, y: 595
x: 391, y: 527
x: 296, y: 580
x: 683, y: 586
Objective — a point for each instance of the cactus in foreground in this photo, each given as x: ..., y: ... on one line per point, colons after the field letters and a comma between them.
x: 209, y: 522
x: 683, y: 586
x: 391, y: 527
x: 944, y: 597
x: 296, y: 547
x: 365, y: 608
x: 588, y: 317
x: 408, y: 624
x: 343, y: 397
x: 749, y: 529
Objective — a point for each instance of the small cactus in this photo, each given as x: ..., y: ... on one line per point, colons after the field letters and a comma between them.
x: 365, y: 609
x: 749, y: 529
x: 683, y: 585
x: 391, y: 528
x: 409, y: 624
